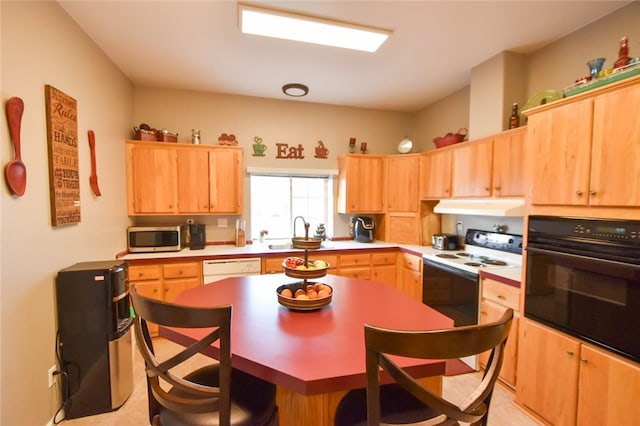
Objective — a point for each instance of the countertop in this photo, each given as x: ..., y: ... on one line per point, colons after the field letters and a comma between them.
x: 226, y: 251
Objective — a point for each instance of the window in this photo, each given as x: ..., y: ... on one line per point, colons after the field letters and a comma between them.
x: 277, y: 200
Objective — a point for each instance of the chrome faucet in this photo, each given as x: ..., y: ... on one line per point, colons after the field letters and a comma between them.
x: 306, y: 227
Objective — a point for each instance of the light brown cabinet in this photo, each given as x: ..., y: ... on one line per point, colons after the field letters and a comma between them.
x: 435, y: 174
x: 496, y: 297
x: 183, y: 179
x: 410, y: 281
x: 401, y: 222
x: 589, y: 145
x: 152, y: 187
x: 490, y: 167
x: 360, y: 184
x: 401, y: 183
x: 164, y: 280
x: 583, y: 385
x: 471, y: 173
x: 383, y: 267
x: 356, y: 265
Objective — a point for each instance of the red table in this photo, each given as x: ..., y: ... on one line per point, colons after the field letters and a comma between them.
x: 313, y: 357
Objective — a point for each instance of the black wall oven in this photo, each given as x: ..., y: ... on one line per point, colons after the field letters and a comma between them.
x: 583, y: 278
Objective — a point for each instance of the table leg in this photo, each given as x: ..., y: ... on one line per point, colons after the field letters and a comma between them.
x: 319, y: 410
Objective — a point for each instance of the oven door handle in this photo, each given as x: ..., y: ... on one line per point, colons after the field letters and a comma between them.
x: 601, y: 261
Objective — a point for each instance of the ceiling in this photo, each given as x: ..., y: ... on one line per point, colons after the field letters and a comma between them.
x: 196, y: 45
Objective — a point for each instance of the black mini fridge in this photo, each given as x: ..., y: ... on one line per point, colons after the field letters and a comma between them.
x: 95, y: 347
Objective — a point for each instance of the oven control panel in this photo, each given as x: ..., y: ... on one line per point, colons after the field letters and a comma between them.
x: 606, y: 230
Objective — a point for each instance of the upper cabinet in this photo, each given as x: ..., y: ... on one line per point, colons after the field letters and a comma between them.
x: 435, y: 174
x: 165, y: 178
x: 490, y: 167
x: 586, y: 152
x: 152, y: 187
x: 472, y: 163
x: 401, y: 185
x: 360, y: 183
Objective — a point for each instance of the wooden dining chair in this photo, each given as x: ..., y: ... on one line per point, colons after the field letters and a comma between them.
x: 405, y: 400
x: 212, y: 395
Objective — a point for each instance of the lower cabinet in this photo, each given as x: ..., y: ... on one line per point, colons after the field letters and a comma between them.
x: 495, y: 298
x: 356, y: 265
x: 410, y: 275
x: 383, y: 267
x: 164, y: 280
x: 568, y: 382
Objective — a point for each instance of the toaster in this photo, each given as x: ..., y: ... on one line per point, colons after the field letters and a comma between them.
x: 445, y: 241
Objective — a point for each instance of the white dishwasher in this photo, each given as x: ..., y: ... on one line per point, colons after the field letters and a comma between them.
x: 216, y: 270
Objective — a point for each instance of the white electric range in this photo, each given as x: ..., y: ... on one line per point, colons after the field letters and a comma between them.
x: 450, y: 277
x: 451, y: 282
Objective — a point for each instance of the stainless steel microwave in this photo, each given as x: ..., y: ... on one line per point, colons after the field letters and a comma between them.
x: 144, y: 239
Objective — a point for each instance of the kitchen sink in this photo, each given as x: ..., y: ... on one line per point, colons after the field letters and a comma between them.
x: 283, y: 246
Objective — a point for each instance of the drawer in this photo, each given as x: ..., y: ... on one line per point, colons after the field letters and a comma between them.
x: 383, y: 258
x: 144, y: 272
x: 412, y: 262
x: 182, y: 270
x: 503, y: 294
x: 357, y: 273
x: 363, y: 259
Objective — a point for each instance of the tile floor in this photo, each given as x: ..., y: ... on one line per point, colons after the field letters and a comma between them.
x: 134, y: 411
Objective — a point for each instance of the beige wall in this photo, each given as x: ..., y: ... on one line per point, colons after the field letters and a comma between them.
x: 448, y: 115
x: 275, y: 121
x: 42, y: 45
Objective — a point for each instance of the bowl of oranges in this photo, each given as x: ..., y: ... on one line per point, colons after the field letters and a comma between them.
x: 304, y: 296
x: 295, y: 267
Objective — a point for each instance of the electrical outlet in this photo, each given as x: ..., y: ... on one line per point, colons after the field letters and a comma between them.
x: 52, y: 380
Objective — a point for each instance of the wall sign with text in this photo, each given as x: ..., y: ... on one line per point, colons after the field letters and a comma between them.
x: 62, y: 141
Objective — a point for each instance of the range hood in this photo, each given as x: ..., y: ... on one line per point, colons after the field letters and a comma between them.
x: 482, y: 206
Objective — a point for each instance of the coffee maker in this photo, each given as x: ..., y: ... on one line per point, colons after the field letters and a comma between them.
x: 198, y: 236
x: 363, y: 229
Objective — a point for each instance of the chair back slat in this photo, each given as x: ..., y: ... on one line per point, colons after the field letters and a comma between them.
x: 446, y: 344
x: 191, y: 397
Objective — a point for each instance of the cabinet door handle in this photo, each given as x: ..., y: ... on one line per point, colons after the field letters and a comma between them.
x: 499, y: 296
x: 570, y: 353
x: 584, y: 360
x: 592, y: 193
x: 486, y: 188
x: 579, y: 193
x: 498, y: 188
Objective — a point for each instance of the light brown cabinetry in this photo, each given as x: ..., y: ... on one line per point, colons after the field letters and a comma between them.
x: 164, y: 280
x: 435, y: 174
x: 356, y: 265
x: 590, y: 145
x: 401, y: 183
x: 152, y: 187
x: 496, y: 297
x: 410, y: 280
x: 490, y: 167
x: 360, y: 184
x: 583, y: 385
x: 183, y: 179
x: 401, y: 222
x: 471, y: 174
x: 383, y: 267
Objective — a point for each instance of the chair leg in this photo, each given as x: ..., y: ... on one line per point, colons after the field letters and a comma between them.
x: 156, y: 421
